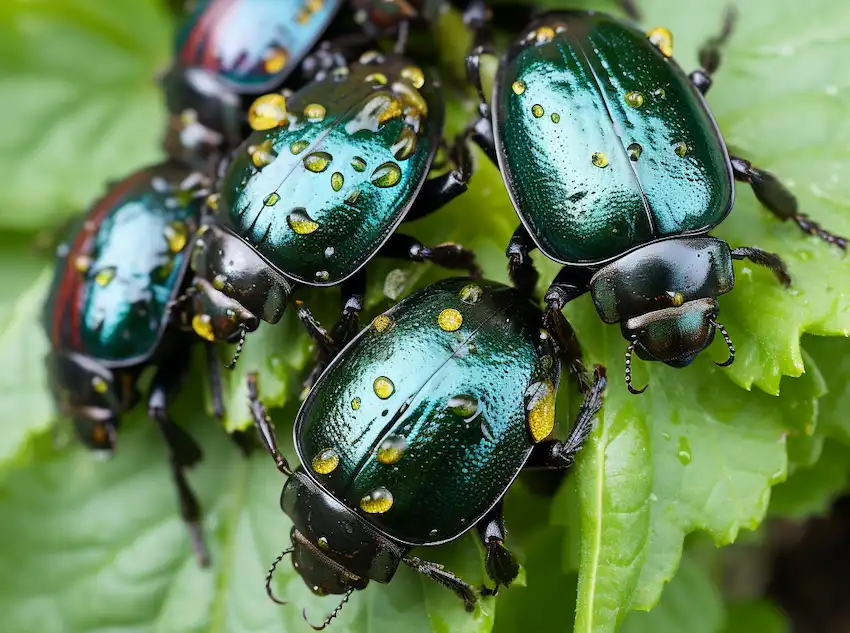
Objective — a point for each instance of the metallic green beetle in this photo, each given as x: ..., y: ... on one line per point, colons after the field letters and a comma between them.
x: 618, y: 171
x: 414, y: 433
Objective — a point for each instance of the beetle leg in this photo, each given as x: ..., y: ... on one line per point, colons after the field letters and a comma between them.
x: 775, y: 196
x: 501, y: 565
x: 183, y: 453
x: 521, y: 269
x: 763, y: 258
x: 559, y: 294
x: 710, y: 52
x: 476, y: 17
x: 558, y: 455
x: 448, y: 255
x: 214, y: 375
x: 446, y: 578
x: 264, y: 425
x: 439, y: 191
x: 353, y: 290
x: 335, y: 53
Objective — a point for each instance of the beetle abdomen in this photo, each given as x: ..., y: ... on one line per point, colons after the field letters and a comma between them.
x: 420, y: 425
x: 604, y: 143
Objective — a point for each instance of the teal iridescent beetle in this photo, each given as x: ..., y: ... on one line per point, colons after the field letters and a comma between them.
x: 110, y: 315
x: 415, y: 432
x: 618, y: 171
x: 320, y: 189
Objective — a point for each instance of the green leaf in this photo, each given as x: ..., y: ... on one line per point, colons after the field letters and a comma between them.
x: 833, y: 356
x: 80, y: 102
x: 756, y: 615
x: 88, y: 545
x: 811, y: 491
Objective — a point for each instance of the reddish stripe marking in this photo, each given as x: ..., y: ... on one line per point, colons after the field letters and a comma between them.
x: 72, y: 279
x: 198, y: 35
x: 209, y: 61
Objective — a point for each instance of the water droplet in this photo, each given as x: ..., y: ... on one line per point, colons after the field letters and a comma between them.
x: 537, y: 110
x: 272, y: 199
x: 358, y: 164
x: 463, y: 405
x: 355, y: 404
x: 684, y: 451
x: 377, y: 502
x: 382, y: 323
x: 300, y: 222
x: 450, y: 320
x: 219, y: 282
x: 317, y: 162
x: 267, y: 112
x: 322, y: 275
x: 405, y: 144
x: 666, y: 436
x: 99, y: 385
x: 369, y: 56
x: 518, y: 87
x: 275, y: 59
x: 383, y: 387
x: 433, y: 532
x: 391, y: 110
x: 681, y: 148
x: 471, y: 293
x: 391, y: 450
x: 634, y: 150
x: 298, y: 146
x: 556, y: 118
x: 634, y: 99
x: 176, y: 234
x: 322, y: 542
x: 104, y: 276
x: 82, y: 263
x: 262, y: 154
x: 599, y: 159
x: 544, y: 34
x: 352, y: 196
x: 662, y: 39
x: 202, y: 325
x: 329, y: 251
x: 378, y: 78
x: 337, y: 180
x: 414, y: 75
x: 676, y: 298
x: 326, y: 461
x: 386, y: 175
x: 315, y: 111
x: 212, y: 200
x: 659, y: 93
x: 541, y: 411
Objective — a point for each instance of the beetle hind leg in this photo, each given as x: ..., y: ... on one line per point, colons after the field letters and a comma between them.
x: 502, y: 567
x: 710, y: 52
x: 782, y: 203
x: 563, y: 290
x: 521, y: 268
x: 446, y: 578
x: 768, y: 260
x: 439, y: 191
x: 448, y: 255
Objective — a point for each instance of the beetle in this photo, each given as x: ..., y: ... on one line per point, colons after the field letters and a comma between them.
x: 318, y: 190
x: 109, y: 316
x: 415, y: 431
x: 618, y: 171
x: 230, y: 50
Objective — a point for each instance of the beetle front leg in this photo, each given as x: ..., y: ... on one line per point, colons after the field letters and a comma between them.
x: 558, y: 455
x: 448, y: 255
x: 441, y: 190
x: 183, y: 453
x: 476, y: 17
x: 768, y: 260
x: 521, y: 269
x: 501, y: 565
x: 775, y: 196
x: 264, y: 426
x: 446, y: 578
x: 560, y: 293
x: 710, y: 52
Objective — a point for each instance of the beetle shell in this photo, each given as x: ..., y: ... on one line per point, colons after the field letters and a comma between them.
x: 252, y: 45
x: 604, y: 143
x: 330, y: 186
x: 420, y: 424
x: 118, y: 271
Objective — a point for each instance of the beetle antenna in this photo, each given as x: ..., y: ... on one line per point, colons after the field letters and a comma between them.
x: 629, y: 350
x: 729, y: 344
x: 333, y: 614
x: 271, y: 573
x: 242, y: 332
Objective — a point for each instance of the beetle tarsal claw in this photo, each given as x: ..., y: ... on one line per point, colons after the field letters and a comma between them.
x: 729, y: 344
x: 270, y: 574
x: 629, y: 350
x: 333, y: 614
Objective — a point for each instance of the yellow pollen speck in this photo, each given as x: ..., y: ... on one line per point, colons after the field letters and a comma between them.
x: 662, y: 39
x: 275, y: 60
x: 326, y: 461
x: 599, y: 159
x: 382, y: 323
x: 518, y: 87
x: 414, y: 75
x: 544, y: 34
x: 383, y: 387
x: 104, y: 276
x: 634, y: 99
x: 377, y: 502
x: 315, y: 111
x: 450, y: 320
x: 267, y: 112
x: 541, y: 416
x: 202, y: 324
x: 537, y: 110
x: 379, y: 78
x: 355, y: 404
